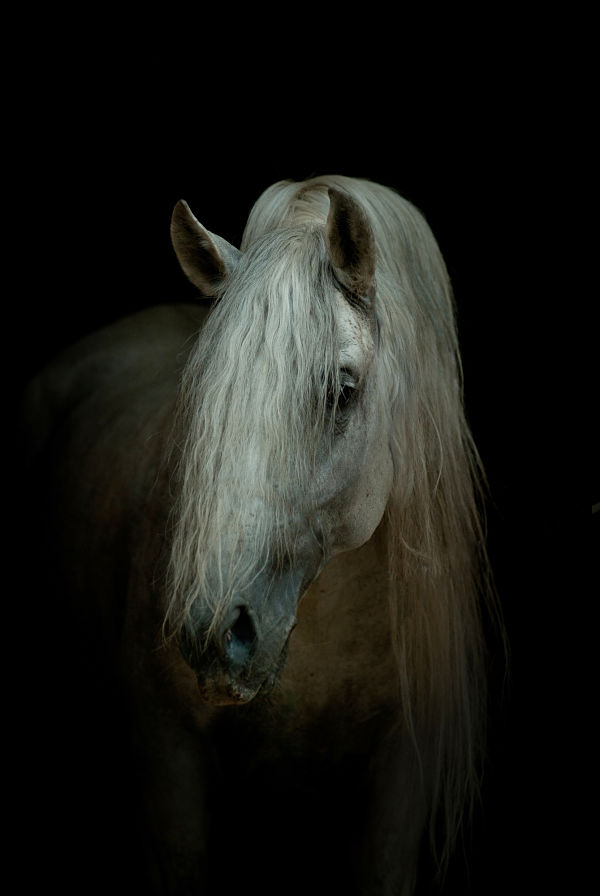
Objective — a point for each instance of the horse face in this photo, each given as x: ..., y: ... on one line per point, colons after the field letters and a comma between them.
x: 237, y: 645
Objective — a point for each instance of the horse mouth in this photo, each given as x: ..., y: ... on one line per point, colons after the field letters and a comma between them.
x: 226, y: 692
x: 222, y: 688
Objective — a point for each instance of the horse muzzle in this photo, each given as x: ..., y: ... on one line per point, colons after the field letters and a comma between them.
x: 247, y: 659
x: 246, y: 651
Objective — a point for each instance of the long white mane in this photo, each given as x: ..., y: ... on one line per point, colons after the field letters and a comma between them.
x: 276, y: 362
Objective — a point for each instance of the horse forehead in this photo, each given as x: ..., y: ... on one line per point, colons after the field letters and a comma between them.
x: 355, y: 340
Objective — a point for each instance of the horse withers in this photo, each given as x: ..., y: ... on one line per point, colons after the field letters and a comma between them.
x: 261, y: 521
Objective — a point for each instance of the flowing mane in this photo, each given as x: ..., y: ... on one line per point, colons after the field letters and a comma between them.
x: 250, y: 388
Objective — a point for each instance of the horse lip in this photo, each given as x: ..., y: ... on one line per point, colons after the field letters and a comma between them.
x: 227, y: 691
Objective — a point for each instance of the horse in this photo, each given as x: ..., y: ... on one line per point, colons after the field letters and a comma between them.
x: 262, y: 516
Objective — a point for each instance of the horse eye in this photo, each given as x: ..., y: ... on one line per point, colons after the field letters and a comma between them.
x: 345, y: 395
x: 346, y: 391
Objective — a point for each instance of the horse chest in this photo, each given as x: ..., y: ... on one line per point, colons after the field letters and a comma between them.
x: 337, y: 689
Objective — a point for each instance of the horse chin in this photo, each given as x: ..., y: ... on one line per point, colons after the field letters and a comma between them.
x: 224, y: 689
x: 227, y: 691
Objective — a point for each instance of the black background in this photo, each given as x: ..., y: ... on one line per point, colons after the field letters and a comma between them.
x: 105, y: 141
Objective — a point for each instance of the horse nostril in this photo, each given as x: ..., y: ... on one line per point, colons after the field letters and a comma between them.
x: 240, y: 638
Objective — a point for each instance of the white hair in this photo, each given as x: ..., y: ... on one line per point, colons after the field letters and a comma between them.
x: 263, y: 386
x: 265, y: 357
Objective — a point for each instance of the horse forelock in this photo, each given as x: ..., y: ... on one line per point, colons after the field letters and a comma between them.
x: 258, y: 380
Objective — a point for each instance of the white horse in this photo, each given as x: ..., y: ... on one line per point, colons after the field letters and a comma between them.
x: 273, y: 529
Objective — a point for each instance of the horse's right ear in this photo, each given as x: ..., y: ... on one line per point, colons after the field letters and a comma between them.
x: 351, y: 246
x: 206, y: 259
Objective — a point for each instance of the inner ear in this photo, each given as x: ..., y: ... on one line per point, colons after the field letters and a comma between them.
x: 350, y: 245
x: 205, y: 258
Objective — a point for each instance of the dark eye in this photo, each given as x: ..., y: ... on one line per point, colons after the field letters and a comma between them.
x: 345, y: 395
x: 340, y: 397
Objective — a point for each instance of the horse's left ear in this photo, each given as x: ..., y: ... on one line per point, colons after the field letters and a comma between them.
x: 205, y: 258
x: 351, y: 246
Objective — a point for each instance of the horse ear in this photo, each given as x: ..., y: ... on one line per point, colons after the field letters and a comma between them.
x: 351, y: 245
x: 205, y: 258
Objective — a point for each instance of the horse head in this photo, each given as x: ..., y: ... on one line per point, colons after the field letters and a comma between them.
x: 285, y: 457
